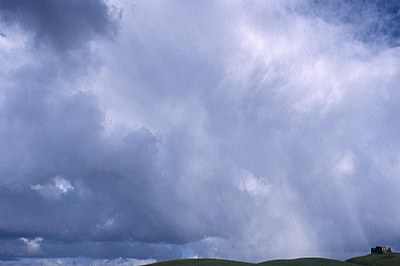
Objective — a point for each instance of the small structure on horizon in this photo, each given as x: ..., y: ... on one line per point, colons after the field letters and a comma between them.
x: 381, y: 250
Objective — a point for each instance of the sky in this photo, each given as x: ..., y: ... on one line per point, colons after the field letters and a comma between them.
x: 140, y: 131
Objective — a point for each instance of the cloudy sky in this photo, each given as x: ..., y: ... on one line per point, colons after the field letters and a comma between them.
x: 153, y: 130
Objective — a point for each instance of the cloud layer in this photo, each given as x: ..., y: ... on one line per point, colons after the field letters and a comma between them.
x: 236, y: 130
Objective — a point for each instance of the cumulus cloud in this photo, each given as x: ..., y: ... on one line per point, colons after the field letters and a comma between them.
x: 32, y: 245
x: 227, y: 130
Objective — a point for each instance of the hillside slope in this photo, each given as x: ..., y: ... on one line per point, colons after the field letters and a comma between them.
x: 202, y: 262
x: 293, y: 262
x: 306, y: 262
x: 391, y: 259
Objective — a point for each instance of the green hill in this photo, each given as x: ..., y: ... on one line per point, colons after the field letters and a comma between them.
x: 202, y: 262
x: 392, y: 259
x: 216, y: 262
x: 306, y: 262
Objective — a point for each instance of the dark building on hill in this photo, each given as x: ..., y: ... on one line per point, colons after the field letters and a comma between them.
x: 381, y: 250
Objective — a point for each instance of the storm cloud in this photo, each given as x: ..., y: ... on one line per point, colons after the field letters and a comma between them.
x: 158, y: 130
x: 63, y: 24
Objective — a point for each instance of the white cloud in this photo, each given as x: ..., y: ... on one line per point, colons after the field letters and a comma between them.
x: 62, y: 184
x: 253, y: 185
x: 346, y: 164
x: 32, y: 245
x: 54, y: 188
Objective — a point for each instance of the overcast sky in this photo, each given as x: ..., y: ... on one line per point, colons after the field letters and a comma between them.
x: 153, y: 130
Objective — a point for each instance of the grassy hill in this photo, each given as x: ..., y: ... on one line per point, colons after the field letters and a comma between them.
x: 216, y: 262
x: 306, y: 262
x: 392, y: 259
x: 202, y: 262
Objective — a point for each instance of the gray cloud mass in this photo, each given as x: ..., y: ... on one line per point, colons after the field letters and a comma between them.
x: 64, y: 24
x: 140, y: 130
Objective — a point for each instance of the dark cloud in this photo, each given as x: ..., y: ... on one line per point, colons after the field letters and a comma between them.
x: 63, y: 24
x: 74, y: 179
x: 84, y: 191
x: 373, y: 21
x: 67, y: 178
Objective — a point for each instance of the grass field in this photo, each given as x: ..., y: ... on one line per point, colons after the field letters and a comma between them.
x: 392, y: 259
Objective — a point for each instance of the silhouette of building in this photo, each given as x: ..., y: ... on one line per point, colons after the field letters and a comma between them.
x: 381, y: 250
